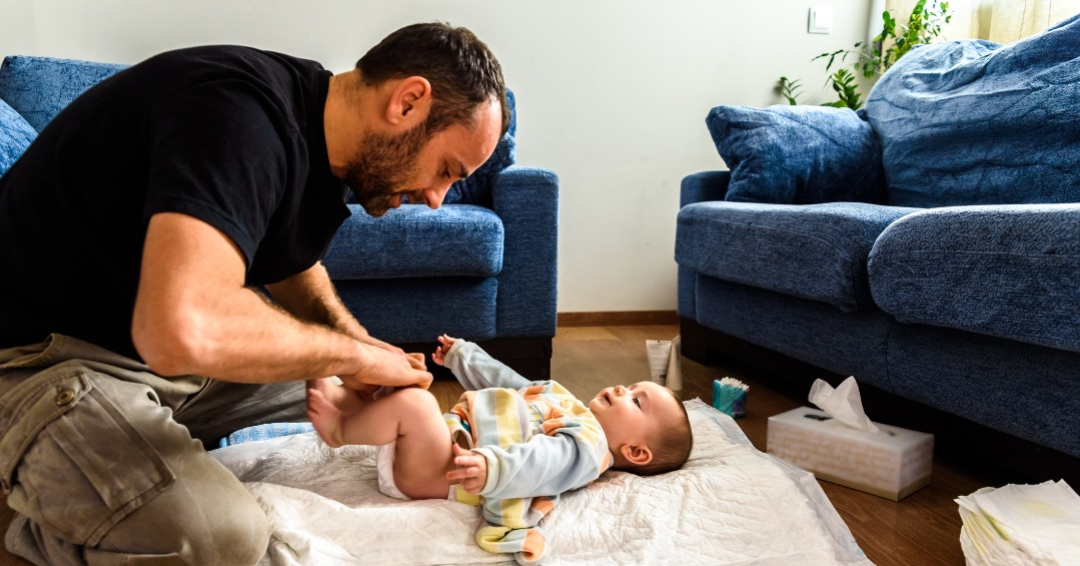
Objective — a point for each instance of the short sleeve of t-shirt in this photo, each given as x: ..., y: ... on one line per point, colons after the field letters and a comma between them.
x: 217, y: 155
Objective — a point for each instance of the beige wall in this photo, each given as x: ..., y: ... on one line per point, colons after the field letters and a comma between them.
x: 612, y: 93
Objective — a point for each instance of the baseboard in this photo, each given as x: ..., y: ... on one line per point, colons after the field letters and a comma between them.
x: 955, y: 437
x: 617, y: 318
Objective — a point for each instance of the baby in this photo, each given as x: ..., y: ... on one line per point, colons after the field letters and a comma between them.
x: 510, y: 444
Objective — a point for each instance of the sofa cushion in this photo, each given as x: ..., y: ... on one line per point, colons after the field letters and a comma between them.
x: 15, y: 136
x: 40, y: 87
x: 797, y: 154
x: 971, y: 122
x: 415, y: 241
x: 815, y: 252
x: 1009, y: 271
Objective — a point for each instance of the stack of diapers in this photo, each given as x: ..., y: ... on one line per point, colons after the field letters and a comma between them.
x: 730, y: 504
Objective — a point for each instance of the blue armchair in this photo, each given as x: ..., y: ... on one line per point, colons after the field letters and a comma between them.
x: 482, y: 267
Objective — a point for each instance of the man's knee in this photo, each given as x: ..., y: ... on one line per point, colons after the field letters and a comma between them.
x: 196, y: 524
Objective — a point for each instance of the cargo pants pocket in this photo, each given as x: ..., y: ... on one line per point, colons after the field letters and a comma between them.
x: 70, y: 459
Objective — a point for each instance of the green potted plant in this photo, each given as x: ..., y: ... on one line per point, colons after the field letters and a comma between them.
x: 925, y: 23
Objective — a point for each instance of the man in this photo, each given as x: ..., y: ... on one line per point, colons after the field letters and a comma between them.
x: 137, y: 234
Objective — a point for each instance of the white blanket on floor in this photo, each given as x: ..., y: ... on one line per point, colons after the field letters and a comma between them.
x: 730, y: 504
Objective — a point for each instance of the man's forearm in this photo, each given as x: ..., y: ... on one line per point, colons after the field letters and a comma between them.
x: 251, y: 340
x: 194, y: 316
x: 310, y: 296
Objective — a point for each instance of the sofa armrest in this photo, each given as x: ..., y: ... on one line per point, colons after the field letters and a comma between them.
x: 697, y: 187
x: 1008, y: 271
x: 704, y: 186
x: 527, y: 201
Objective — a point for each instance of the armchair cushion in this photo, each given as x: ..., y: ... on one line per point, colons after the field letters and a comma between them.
x: 1009, y: 271
x: 797, y: 154
x: 418, y: 309
x: 816, y: 252
x: 476, y: 188
x: 39, y: 87
x: 415, y: 241
x: 15, y: 136
x: 971, y: 122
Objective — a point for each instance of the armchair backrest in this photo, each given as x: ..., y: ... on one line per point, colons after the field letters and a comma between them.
x: 38, y: 88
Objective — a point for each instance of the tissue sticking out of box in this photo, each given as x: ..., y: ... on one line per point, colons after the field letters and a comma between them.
x: 839, y: 444
x: 843, y: 403
x: 729, y: 396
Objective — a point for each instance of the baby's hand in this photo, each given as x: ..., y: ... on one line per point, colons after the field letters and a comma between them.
x: 439, y: 355
x: 471, y: 470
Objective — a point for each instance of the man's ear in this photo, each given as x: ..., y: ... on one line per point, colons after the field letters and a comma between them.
x: 410, y: 102
x: 636, y: 455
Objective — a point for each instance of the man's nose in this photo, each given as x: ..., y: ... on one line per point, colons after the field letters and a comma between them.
x: 434, y: 197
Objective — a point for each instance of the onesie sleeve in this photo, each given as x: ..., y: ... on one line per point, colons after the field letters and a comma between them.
x: 477, y: 370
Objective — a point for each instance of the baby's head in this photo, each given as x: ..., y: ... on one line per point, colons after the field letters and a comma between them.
x: 646, y: 425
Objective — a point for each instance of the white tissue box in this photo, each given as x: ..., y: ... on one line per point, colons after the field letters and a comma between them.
x: 892, y: 463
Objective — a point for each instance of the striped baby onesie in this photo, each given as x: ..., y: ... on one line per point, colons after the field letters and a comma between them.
x: 538, y: 440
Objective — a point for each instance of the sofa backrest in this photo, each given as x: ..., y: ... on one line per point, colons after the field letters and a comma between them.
x: 973, y: 122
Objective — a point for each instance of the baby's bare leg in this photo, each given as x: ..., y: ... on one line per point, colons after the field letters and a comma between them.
x: 343, y: 398
x: 409, y: 417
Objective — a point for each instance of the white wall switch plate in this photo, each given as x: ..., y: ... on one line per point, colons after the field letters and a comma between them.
x: 820, y: 19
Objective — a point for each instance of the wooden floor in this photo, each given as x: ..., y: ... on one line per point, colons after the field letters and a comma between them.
x: 923, y: 529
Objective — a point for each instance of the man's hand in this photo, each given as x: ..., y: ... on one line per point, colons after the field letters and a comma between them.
x: 383, y: 367
x: 415, y: 359
x: 471, y: 471
x: 445, y: 343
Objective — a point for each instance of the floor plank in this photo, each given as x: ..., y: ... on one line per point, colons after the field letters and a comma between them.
x: 923, y: 529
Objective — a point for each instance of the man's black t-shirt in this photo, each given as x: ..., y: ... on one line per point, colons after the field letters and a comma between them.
x: 230, y: 135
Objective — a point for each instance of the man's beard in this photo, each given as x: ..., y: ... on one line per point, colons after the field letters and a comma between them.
x: 384, y: 163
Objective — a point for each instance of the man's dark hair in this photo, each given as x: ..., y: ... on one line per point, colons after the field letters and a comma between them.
x: 461, y: 69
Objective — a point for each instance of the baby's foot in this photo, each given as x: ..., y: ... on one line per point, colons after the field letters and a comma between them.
x: 344, y: 399
x: 325, y: 417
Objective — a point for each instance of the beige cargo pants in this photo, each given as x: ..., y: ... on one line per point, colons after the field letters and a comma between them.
x: 104, y: 461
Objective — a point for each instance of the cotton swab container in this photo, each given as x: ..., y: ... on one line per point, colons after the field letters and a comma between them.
x: 729, y: 396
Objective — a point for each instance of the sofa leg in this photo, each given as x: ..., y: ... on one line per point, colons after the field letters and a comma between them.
x: 694, y: 343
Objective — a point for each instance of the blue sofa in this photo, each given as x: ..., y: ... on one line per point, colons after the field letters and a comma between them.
x: 482, y: 267
x: 929, y: 244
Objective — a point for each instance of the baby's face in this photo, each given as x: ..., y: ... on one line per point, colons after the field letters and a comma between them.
x: 635, y: 414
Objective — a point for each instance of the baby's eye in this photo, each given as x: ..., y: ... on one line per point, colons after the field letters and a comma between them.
x: 637, y: 401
